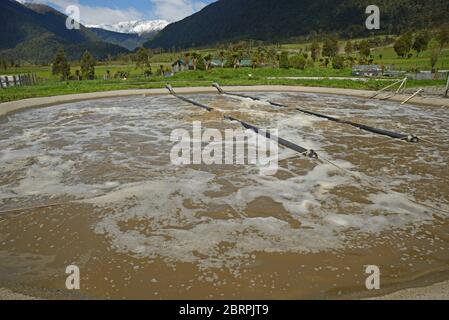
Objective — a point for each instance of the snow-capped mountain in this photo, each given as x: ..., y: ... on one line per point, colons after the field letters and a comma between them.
x: 137, y: 26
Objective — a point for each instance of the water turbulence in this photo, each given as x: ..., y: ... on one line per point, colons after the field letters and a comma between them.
x: 95, y: 187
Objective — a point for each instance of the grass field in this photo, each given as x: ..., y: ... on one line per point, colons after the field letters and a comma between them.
x: 50, y: 84
x: 387, y: 56
x: 420, y: 62
x: 199, y: 78
x: 100, y: 70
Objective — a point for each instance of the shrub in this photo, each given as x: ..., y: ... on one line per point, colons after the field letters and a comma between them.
x: 60, y: 65
x: 298, y: 62
x: 310, y: 63
x: 365, y: 48
x: 283, y: 60
x: 338, y: 62
x: 121, y: 75
x: 201, y: 65
x: 403, y: 45
x: 87, y: 64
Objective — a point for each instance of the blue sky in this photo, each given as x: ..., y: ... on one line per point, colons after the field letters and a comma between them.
x: 113, y: 11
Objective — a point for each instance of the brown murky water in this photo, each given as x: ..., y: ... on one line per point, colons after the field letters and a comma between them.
x: 97, y: 189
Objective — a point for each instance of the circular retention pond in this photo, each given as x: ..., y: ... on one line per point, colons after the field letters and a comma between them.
x: 97, y: 189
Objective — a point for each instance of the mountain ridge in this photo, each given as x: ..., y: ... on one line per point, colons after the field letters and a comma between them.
x: 129, y: 41
x: 33, y: 32
x: 278, y: 20
x: 133, y: 27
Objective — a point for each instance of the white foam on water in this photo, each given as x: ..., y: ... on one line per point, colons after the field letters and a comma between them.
x: 249, y: 103
x: 300, y: 120
x: 178, y: 234
x: 114, y: 154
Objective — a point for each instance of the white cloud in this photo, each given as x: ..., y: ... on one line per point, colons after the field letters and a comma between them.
x: 174, y: 10
x: 94, y: 14
x: 170, y: 10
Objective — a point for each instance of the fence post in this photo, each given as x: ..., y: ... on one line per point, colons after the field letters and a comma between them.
x: 1, y: 82
x: 447, y: 86
x: 7, y: 81
x: 14, y: 79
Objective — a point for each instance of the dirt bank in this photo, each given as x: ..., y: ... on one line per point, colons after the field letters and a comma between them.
x: 13, y: 106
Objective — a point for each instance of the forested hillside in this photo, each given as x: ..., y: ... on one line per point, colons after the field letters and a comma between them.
x: 277, y: 20
x: 34, y: 32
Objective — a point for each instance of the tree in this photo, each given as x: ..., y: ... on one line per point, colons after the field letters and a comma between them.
x: 87, y: 64
x: 222, y: 55
x: 283, y: 61
x: 298, y: 62
x: 263, y: 54
x: 187, y: 59
x: 208, y: 61
x: 364, y: 48
x: 143, y: 60
x: 421, y: 42
x: 315, y: 51
x: 338, y: 62
x: 195, y: 56
x: 273, y: 56
x: 234, y: 58
x: 349, y: 48
x: 310, y: 63
x: 330, y: 47
x: 3, y: 63
x: 351, y: 60
x: 434, y: 56
x: 403, y: 45
x: 443, y: 36
x: 60, y: 65
x: 201, y: 63
x: 255, y: 59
